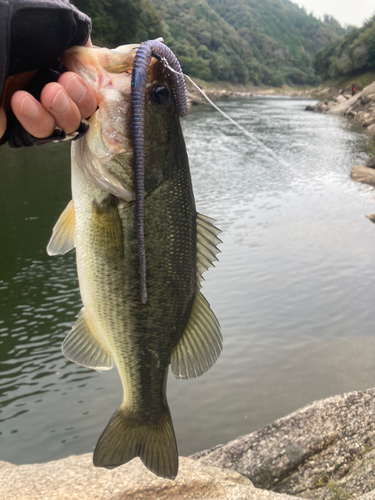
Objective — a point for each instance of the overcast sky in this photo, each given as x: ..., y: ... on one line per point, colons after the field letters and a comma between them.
x: 345, y: 11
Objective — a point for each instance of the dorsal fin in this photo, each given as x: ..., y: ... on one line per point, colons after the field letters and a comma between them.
x: 63, y: 233
x: 201, y: 342
x: 83, y: 346
x: 207, y: 242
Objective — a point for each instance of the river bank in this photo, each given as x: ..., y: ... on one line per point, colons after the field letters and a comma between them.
x: 359, y: 107
x: 324, y: 450
x: 217, y: 90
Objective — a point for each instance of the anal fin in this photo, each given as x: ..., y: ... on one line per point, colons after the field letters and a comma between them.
x: 63, y: 234
x: 200, y: 344
x: 83, y: 346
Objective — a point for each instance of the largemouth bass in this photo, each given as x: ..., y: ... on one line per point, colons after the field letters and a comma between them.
x: 174, y: 324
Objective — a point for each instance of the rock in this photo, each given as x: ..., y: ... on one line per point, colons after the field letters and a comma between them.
x: 75, y: 478
x: 361, y: 173
x: 196, y: 101
x: 340, y: 98
x: 310, y: 108
x: 195, y: 98
x: 371, y: 217
x: 360, y: 478
x: 371, y: 162
x: 368, y: 122
x: 361, y: 115
x: 342, y: 108
x: 318, y: 445
x: 368, y: 94
x: 361, y: 106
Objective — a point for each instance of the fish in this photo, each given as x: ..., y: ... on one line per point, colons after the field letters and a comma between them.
x: 143, y: 308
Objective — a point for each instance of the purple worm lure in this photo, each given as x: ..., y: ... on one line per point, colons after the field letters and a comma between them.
x: 138, y: 103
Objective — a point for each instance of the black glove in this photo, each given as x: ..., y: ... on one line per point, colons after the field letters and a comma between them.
x: 33, y: 35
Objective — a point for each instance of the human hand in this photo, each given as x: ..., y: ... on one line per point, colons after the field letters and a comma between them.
x: 63, y: 103
x: 38, y: 32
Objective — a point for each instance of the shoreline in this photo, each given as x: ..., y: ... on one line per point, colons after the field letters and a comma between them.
x: 359, y: 107
x: 216, y: 90
x: 326, y: 446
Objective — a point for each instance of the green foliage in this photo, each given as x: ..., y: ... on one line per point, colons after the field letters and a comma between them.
x: 117, y: 22
x: 350, y: 55
x: 270, y: 77
x: 196, y: 67
x: 281, y: 35
x: 262, y: 41
x: 204, y: 43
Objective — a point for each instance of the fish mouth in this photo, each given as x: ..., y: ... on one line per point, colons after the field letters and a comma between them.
x: 92, y: 63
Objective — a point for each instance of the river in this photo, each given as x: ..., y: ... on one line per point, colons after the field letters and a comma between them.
x: 293, y: 290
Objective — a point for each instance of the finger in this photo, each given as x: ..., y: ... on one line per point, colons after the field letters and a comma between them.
x: 32, y: 115
x: 3, y: 122
x: 80, y: 93
x: 58, y: 103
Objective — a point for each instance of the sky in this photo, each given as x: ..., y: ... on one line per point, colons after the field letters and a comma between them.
x: 345, y: 11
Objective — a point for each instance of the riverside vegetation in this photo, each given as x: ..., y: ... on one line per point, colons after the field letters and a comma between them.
x: 350, y: 56
x: 270, y: 42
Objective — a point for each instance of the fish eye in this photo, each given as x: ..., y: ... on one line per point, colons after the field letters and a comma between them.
x: 159, y: 94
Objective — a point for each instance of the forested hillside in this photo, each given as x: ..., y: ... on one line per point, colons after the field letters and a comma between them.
x: 259, y: 41
x: 351, y: 55
x: 282, y: 36
x: 205, y: 44
x: 117, y: 22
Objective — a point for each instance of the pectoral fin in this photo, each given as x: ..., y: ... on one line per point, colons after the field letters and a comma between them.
x: 83, y: 346
x: 63, y: 234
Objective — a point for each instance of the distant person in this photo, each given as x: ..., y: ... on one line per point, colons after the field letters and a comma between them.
x: 353, y: 89
x: 33, y: 35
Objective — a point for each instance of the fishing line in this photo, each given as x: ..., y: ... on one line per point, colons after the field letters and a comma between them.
x: 240, y: 127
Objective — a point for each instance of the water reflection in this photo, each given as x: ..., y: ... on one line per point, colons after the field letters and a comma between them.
x: 293, y: 289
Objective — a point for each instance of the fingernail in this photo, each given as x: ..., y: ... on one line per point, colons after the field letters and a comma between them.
x: 28, y: 108
x: 60, y: 103
x: 75, y: 89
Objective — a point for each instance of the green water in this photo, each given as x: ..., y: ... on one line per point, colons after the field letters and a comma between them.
x: 293, y: 290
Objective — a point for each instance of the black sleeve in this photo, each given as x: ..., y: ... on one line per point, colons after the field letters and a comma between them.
x: 34, y: 33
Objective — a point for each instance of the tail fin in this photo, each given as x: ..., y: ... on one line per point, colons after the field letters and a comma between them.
x: 128, y: 436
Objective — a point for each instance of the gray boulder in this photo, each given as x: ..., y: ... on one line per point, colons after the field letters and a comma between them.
x: 360, y: 478
x: 323, y: 446
x: 371, y: 162
x: 361, y: 173
x: 361, y: 101
x: 75, y: 478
